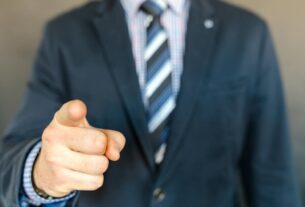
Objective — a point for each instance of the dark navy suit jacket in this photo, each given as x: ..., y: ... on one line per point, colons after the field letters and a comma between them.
x: 230, y: 114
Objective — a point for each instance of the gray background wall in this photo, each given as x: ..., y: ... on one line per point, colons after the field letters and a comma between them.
x: 21, y: 23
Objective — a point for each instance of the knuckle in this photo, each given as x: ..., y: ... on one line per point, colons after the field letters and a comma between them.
x: 52, y: 134
x: 98, y: 165
x: 120, y: 135
x: 95, y: 183
x: 98, y: 182
x: 52, y: 156
x: 48, y: 134
x: 104, y: 164
x: 100, y: 140
x: 117, y: 134
x: 102, y: 137
x: 120, y: 138
x: 123, y: 142
x: 51, y: 159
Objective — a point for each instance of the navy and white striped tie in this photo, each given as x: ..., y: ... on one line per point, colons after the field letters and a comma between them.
x: 158, y: 87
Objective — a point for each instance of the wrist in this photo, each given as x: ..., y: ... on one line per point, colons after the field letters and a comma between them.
x: 35, y: 178
x: 42, y: 194
x: 38, y: 182
x: 35, y: 182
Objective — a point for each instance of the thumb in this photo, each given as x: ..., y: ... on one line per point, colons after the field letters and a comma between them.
x: 73, y: 114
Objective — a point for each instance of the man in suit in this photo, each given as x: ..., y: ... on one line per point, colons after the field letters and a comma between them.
x: 191, y: 86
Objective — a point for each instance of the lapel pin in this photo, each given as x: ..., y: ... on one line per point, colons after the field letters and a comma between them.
x: 209, y: 24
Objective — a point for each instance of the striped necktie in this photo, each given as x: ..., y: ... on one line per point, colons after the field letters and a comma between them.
x: 158, y: 88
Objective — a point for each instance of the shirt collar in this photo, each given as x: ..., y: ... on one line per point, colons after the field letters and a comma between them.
x: 177, y: 6
x: 132, y: 6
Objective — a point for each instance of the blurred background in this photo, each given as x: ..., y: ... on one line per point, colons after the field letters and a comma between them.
x: 21, y: 24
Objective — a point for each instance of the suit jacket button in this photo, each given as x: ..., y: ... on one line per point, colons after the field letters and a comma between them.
x: 158, y: 195
x: 209, y: 23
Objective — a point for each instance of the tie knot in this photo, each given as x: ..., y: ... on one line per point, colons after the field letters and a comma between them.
x: 154, y: 7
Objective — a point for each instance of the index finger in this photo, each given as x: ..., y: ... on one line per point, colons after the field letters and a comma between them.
x: 86, y: 140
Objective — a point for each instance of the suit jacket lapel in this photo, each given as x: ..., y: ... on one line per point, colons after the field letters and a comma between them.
x: 113, y: 33
x: 200, y: 43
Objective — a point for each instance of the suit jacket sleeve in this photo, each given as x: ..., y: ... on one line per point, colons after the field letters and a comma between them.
x: 267, y: 166
x: 45, y: 94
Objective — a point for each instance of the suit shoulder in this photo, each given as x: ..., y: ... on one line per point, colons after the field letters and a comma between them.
x: 74, y: 17
x: 239, y: 17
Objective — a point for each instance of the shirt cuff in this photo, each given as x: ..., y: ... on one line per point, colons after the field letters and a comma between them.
x: 33, y: 197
